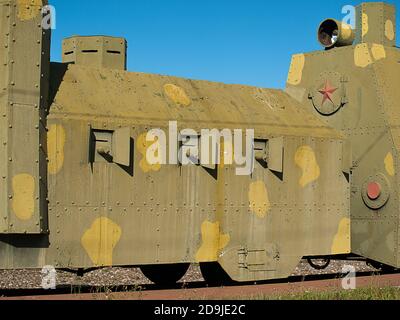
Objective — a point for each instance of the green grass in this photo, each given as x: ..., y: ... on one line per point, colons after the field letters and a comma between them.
x: 389, y: 293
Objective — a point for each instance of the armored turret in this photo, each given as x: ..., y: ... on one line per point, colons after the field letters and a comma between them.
x: 353, y: 87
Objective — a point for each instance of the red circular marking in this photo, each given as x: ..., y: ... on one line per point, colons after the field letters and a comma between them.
x: 374, y: 190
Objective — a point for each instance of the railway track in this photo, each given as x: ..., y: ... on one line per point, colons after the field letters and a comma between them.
x: 199, y: 290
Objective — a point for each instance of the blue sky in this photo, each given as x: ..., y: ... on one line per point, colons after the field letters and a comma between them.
x: 232, y: 41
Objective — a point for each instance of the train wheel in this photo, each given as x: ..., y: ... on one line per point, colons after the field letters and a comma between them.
x: 214, y: 275
x: 381, y: 267
x: 165, y: 275
x: 319, y: 264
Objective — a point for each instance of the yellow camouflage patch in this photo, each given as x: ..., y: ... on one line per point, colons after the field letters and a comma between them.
x: 378, y: 52
x: 341, y: 242
x: 306, y: 160
x: 55, y: 148
x: 100, y: 240
x: 365, y: 24
x: 389, y: 164
x: 177, y: 95
x: 143, y: 146
x: 23, y: 202
x: 389, y: 30
x: 296, y: 69
x: 362, y: 56
x: 259, y: 200
x: 213, y: 242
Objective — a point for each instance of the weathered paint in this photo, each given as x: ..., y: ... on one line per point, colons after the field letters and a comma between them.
x: 258, y: 198
x: 296, y: 69
x: 306, y: 160
x: 362, y: 56
x: 28, y: 9
x: 341, y: 242
x: 100, y: 240
x: 143, y: 145
x: 378, y: 52
x: 389, y: 164
x: 177, y: 95
x: 213, y: 241
x: 389, y: 30
x: 55, y: 146
x: 23, y: 201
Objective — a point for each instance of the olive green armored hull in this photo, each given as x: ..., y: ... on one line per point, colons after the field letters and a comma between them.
x: 171, y: 213
x: 79, y: 190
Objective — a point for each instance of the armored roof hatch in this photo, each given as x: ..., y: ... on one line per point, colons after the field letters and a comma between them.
x: 95, y: 51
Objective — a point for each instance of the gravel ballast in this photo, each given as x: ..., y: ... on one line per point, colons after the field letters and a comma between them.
x: 108, y: 277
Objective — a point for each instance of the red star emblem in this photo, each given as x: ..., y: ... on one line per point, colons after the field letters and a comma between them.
x: 327, y: 92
